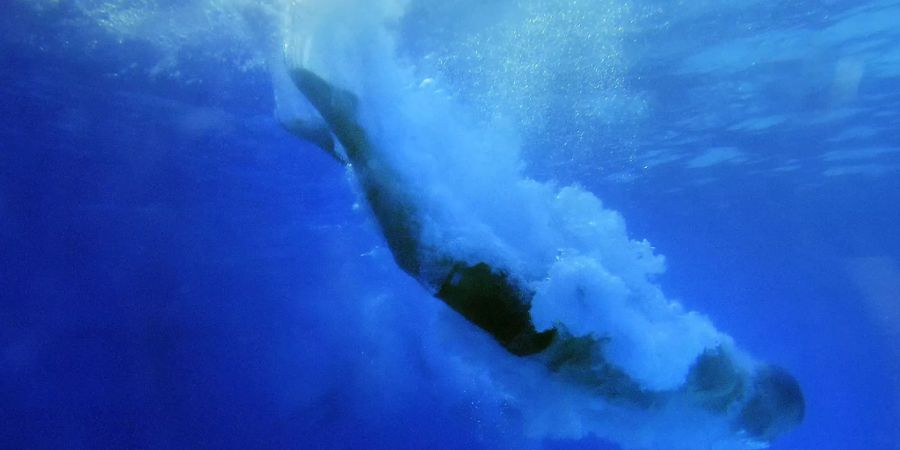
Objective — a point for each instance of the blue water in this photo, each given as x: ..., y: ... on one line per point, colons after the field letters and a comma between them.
x: 176, y: 271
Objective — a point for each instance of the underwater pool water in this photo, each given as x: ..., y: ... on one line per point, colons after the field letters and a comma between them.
x: 178, y: 271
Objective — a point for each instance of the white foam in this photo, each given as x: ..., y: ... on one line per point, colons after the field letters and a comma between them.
x: 476, y: 205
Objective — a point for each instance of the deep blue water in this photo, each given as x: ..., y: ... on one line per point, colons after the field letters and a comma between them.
x: 176, y: 271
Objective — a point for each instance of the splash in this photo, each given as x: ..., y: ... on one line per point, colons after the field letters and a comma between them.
x: 449, y: 113
x: 445, y: 181
x: 476, y: 204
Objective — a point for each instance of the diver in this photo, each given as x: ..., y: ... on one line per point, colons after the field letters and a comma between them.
x: 761, y: 404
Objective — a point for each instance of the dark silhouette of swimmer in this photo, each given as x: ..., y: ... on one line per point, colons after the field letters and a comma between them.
x: 762, y: 404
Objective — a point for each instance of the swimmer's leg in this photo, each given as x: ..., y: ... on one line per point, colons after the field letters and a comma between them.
x: 313, y: 129
x: 390, y: 203
x: 338, y: 109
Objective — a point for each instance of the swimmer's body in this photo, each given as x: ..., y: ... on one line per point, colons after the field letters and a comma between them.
x: 761, y: 404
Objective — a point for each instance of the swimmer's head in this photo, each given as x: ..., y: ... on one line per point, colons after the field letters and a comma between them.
x: 775, y: 405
